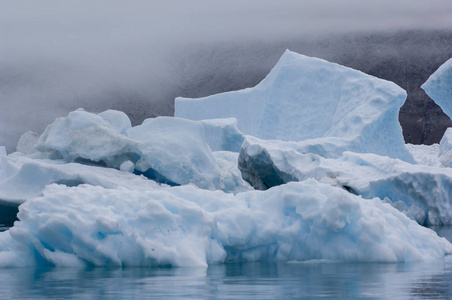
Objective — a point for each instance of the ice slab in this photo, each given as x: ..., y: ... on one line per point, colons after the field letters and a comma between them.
x: 424, y: 190
x: 117, y: 119
x: 425, y: 154
x: 169, y: 150
x: 306, y: 98
x: 22, y: 178
x: 223, y: 134
x: 175, y: 151
x: 186, y: 226
x: 439, y: 87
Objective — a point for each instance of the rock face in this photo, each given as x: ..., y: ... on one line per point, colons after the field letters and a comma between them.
x: 306, y: 98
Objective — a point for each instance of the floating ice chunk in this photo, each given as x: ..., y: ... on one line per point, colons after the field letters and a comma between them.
x: 168, y: 150
x: 26, y: 142
x: 22, y: 177
x: 2, y: 151
x: 83, y: 135
x: 425, y: 154
x: 185, y: 226
x: 117, y: 119
x: 127, y: 166
x: 425, y: 190
x: 14, y: 252
x: 175, y: 151
x: 306, y: 98
x: 231, y: 178
x: 223, y: 134
x: 439, y: 87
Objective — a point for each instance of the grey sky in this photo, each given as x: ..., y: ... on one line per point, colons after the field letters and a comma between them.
x: 56, y: 55
x: 201, y: 19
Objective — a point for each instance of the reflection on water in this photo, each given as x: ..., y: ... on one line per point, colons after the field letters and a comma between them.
x: 235, y: 281
x: 315, y: 279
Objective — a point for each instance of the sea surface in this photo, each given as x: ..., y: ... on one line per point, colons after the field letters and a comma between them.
x: 293, y: 280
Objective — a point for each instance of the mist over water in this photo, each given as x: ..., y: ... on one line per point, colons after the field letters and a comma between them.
x: 138, y: 56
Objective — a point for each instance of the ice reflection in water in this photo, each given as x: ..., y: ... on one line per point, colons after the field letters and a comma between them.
x: 235, y: 281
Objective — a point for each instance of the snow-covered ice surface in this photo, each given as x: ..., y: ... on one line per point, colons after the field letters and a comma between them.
x: 306, y: 98
x: 434, y: 155
x: 339, y: 184
x: 423, y: 192
x: 190, y: 159
x: 107, y: 139
x: 439, y: 87
x: 223, y: 134
x: 186, y: 226
x: 22, y: 177
x: 428, y: 155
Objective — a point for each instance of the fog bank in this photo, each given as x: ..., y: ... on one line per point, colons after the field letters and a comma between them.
x: 137, y: 56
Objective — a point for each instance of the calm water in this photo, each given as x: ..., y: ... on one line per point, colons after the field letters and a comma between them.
x: 308, y: 280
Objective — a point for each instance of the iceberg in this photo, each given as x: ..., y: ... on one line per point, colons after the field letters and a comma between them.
x: 424, y: 190
x: 82, y: 137
x: 22, y: 178
x: 175, y: 151
x: 439, y: 87
x: 107, y: 139
x: 306, y: 98
x: 308, y: 165
x: 118, y: 120
x: 185, y: 226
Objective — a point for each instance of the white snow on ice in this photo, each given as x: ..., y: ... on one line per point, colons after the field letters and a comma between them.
x: 423, y: 192
x: 427, y: 155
